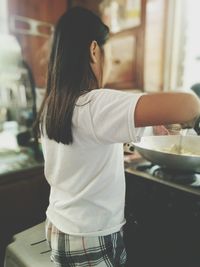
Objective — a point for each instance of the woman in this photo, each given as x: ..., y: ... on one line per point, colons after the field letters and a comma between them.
x: 83, y: 128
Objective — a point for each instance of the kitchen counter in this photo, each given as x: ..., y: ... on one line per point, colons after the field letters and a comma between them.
x: 131, y: 168
x: 13, y: 163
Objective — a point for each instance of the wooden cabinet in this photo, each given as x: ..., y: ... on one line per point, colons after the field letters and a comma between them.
x: 24, y: 197
x: 162, y: 226
x: 138, y: 48
x: 35, y: 48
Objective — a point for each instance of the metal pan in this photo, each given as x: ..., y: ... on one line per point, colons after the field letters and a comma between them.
x: 151, y: 148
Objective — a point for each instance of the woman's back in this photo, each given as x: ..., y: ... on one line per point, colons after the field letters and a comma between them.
x: 87, y: 177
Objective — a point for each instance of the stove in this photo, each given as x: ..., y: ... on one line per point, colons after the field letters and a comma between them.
x: 189, y: 178
x: 185, y: 178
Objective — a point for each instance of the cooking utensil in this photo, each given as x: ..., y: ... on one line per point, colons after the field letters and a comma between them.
x: 183, y: 132
x: 151, y: 148
x: 197, y: 126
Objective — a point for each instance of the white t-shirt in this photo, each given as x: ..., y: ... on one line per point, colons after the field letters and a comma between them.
x: 87, y: 180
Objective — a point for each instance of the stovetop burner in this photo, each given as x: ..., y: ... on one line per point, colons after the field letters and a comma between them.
x: 171, y: 175
x: 187, y: 178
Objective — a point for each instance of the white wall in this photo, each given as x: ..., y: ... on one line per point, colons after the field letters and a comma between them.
x: 3, y: 16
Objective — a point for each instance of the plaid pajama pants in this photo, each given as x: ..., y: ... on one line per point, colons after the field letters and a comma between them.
x: 78, y: 251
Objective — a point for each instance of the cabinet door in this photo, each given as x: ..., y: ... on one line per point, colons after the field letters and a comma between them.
x: 162, y: 224
x: 35, y: 47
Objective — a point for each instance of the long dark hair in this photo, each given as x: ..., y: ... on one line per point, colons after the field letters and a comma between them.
x: 69, y: 71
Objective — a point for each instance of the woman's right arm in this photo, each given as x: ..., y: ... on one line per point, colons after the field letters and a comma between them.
x: 166, y: 108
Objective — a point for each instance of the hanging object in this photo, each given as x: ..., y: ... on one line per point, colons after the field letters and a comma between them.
x: 24, y: 25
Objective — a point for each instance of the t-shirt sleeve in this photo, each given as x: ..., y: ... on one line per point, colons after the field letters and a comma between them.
x: 112, y: 116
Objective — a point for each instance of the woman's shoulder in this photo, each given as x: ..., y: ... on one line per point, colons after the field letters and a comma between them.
x: 91, y: 95
x: 105, y: 95
x: 102, y: 91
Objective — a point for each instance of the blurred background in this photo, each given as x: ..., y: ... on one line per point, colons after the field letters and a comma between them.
x: 155, y: 47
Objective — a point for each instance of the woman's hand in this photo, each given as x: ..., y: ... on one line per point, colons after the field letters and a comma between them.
x: 160, y: 130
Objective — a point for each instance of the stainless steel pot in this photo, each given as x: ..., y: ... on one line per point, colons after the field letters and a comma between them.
x: 151, y: 148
